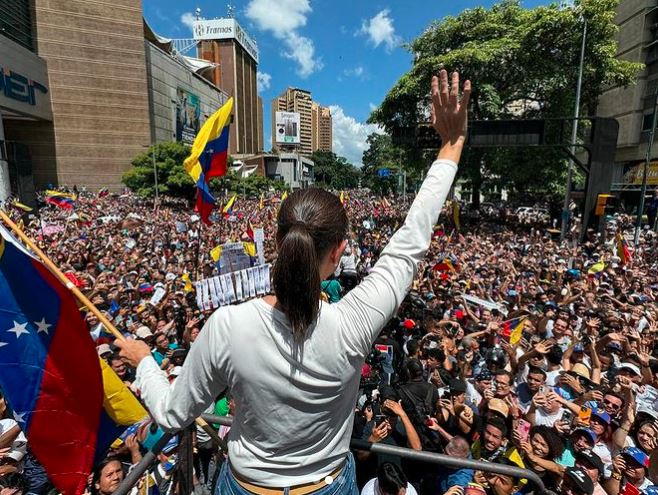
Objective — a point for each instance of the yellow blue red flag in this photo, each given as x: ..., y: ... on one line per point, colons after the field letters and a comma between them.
x: 208, y: 157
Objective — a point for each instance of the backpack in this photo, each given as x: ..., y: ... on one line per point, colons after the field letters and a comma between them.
x: 418, y: 411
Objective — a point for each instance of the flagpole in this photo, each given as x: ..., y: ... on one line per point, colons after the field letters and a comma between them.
x: 84, y: 300
x: 62, y: 278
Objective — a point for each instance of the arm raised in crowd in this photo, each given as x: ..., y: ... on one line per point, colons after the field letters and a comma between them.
x: 367, y: 308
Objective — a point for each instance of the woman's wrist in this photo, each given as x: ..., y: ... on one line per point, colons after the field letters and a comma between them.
x: 451, y: 151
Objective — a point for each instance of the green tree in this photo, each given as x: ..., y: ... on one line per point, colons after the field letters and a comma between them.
x: 523, y: 64
x: 381, y: 155
x: 173, y: 180
x: 172, y: 177
x: 334, y: 171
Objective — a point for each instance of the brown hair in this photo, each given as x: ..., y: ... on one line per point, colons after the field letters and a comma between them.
x: 310, y: 223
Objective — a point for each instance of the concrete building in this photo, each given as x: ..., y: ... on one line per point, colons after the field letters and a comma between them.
x: 26, y: 119
x: 315, y: 120
x: 298, y: 101
x: 87, y: 86
x: 632, y: 106
x: 294, y: 169
x: 181, y: 95
x: 321, y: 128
x: 235, y: 55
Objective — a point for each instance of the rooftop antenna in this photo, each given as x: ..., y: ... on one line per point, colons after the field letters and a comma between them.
x: 230, y: 11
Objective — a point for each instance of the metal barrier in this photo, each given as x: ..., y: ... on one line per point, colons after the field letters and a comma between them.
x: 377, y: 448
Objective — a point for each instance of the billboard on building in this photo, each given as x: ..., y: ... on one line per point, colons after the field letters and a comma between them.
x: 287, y: 128
x: 223, y: 29
x: 188, y: 116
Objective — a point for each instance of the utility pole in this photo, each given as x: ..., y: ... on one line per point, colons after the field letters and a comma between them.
x: 574, y: 136
x: 155, y: 176
x: 647, y: 159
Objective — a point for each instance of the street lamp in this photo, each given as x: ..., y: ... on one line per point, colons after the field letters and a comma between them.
x: 155, y: 175
x: 574, y: 136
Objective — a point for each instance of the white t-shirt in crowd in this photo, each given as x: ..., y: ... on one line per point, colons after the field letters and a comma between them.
x: 295, y: 398
x: 372, y: 488
x: 543, y: 419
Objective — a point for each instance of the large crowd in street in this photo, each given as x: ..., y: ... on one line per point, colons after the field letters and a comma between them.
x: 573, y: 397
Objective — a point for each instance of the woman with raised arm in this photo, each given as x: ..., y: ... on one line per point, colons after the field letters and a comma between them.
x: 293, y: 363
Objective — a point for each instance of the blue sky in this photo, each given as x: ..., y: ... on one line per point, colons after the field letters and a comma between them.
x: 348, y: 53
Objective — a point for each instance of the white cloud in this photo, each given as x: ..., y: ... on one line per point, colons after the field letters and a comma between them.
x: 188, y: 19
x: 380, y: 30
x: 358, y: 72
x: 278, y: 16
x: 349, y: 136
x: 263, y: 80
x: 283, y: 18
x: 302, y: 51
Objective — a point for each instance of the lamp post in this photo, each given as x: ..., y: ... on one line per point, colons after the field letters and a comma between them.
x: 155, y: 175
x: 574, y: 136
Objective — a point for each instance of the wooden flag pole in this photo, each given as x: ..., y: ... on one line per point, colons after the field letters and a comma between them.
x: 84, y: 300
x: 62, y: 278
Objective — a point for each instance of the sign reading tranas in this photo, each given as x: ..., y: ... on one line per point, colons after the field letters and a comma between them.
x: 18, y: 87
x: 222, y: 29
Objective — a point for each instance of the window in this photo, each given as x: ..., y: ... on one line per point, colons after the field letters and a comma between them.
x: 16, y: 22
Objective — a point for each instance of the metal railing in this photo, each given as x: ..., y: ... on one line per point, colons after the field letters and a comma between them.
x: 378, y: 448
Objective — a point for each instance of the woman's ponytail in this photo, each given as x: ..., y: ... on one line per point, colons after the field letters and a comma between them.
x: 297, y: 270
x: 310, y: 223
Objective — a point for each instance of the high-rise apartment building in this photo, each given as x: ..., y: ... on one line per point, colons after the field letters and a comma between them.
x: 321, y: 124
x: 632, y: 106
x: 298, y: 101
x: 226, y: 44
x: 315, y: 120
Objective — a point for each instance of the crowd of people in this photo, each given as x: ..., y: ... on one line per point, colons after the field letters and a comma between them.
x: 511, y: 347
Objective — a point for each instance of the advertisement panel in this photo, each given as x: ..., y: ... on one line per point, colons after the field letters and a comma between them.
x: 287, y: 128
x: 222, y: 29
x: 188, y: 116
x: 635, y: 174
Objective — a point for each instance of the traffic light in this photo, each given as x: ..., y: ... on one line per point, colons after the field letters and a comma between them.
x: 603, y: 202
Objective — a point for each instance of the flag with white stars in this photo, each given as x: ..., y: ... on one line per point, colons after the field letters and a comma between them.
x: 49, y: 368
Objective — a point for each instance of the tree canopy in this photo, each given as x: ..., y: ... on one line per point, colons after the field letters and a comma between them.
x: 523, y: 64
x: 333, y: 171
x: 173, y: 180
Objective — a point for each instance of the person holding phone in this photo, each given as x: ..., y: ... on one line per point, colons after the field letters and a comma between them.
x: 629, y: 472
x: 541, y: 452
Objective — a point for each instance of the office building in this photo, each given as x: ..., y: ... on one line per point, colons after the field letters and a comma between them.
x: 321, y: 126
x: 87, y: 86
x: 632, y: 106
x: 234, y: 54
x: 315, y: 131
x: 297, y: 101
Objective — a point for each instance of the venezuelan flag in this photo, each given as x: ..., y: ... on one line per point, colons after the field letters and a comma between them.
x: 50, y: 371
x: 104, y: 191
x: 228, y: 207
x: 209, y: 156
x: 250, y: 230
x: 622, y: 249
x: 596, y: 268
x: 512, y: 330
x: 249, y: 248
x: 216, y: 253
x: 188, y: 283
x: 60, y: 194
x: 20, y: 206
x: 284, y: 196
x: 63, y: 202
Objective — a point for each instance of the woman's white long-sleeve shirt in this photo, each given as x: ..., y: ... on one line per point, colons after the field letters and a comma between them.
x: 295, y: 401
